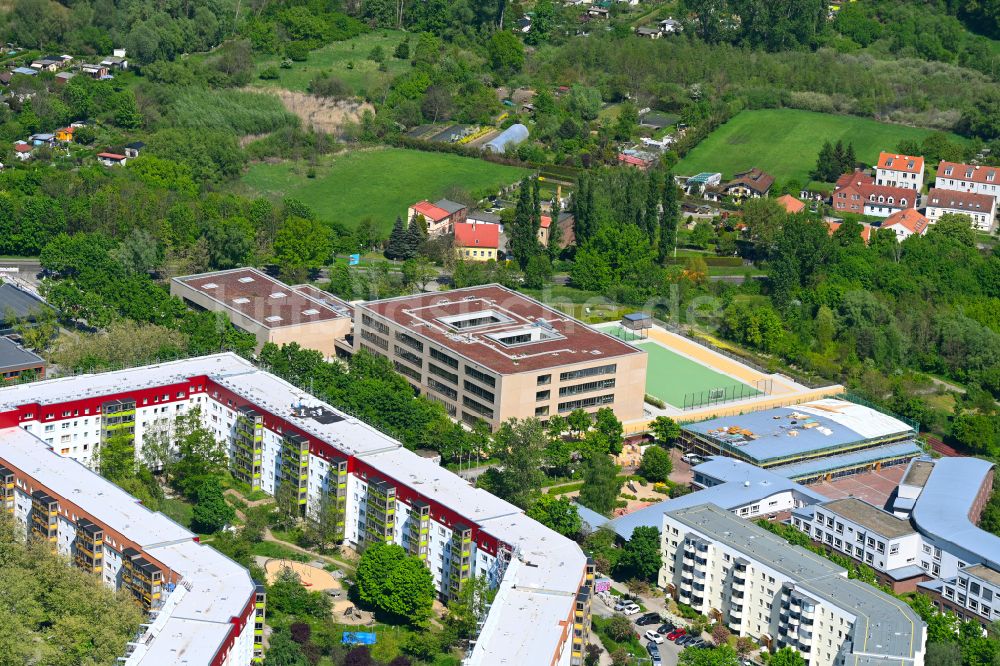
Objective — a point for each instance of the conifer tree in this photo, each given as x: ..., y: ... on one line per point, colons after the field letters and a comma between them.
x: 395, y: 248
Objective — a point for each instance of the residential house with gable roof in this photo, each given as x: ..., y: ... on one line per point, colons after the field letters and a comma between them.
x: 902, y: 171
x: 441, y: 215
x: 968, y: 178
x: 906, y: 223
x: 858, y: 193
x: 981, y: 208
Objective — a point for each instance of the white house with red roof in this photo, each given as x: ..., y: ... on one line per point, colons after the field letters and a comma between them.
x: 903, y: 171
x: 906, y: 223
x: 441, y: 215
x: 22, y: 151
x: 111, y: 159
x: 968, y: 178
x: 981, y: 208
x: 858, y: 193
x: 477, y: 241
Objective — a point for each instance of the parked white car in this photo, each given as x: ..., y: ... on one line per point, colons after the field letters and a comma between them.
x: 631, y: 609
x: 622, y: 603
x: 654, y: 637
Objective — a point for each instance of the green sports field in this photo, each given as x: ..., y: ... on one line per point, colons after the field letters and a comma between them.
x: 673, y: 378
x: 786, y: 142
x: 378, y: 183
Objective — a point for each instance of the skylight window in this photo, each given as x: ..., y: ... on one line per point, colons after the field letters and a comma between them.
x: 469, y: 320
x: 272, y: 318
x: 310, y: 312
x: 209, y: 285
x: 278, y: 294
x: 241, y: 300
x: 246, y: 280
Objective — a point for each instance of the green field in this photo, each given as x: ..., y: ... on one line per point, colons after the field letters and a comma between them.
x: 674, y: 378
x: 347, y: 60
x: 379, y: 183
x: 786, y: 142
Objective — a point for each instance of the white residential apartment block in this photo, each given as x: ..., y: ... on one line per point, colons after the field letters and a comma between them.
x: 205, y: 608
x: 900, y: 171
x: 968, y: 178
x: 929, y: 542
x: 760, y: 586
x: 285, y: 442
x: 887, y: 543
x: 981, y: 208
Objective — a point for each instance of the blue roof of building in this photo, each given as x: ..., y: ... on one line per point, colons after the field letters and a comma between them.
x: 942, y: 509
x: 591, y: 520
x: 812, y: 427
x: 909, y: 571
x: 807, y: 468
x: 739, y: 484
x: 27, y: 71
x: 636, y: 316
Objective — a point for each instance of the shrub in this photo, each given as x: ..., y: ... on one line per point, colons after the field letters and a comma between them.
x: 269, y: 74
x: 326, y: 85
x: 297, y: 51
x: 655, y: 402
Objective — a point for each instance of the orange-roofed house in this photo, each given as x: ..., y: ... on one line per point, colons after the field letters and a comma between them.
x: 477, y: 242
x: 903, y: 171
x: 790, y: 204
x: 968, y: 178
x: 65, y: 134
x: 906, y: 223
x: 441, y: 216
x: 544, y: 230
x: 866, y: 230
x: 857, y: 193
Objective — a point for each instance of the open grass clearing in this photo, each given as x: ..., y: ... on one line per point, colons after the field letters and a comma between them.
x: 347, y: 60
x: 786, y: 142
x: 380, y: 183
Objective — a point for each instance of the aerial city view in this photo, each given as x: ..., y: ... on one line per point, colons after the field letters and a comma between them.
x: 499, y: 333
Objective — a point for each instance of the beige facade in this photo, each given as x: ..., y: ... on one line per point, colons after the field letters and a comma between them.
x: 274, y: 313
x: 461, y: 377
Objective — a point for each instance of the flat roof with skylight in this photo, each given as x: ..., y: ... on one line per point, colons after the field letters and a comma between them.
x: 500, y: 329
x: 259, y: 297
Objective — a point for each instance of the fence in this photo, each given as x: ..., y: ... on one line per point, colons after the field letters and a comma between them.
x: 740, y: 358
x: 724, y: 394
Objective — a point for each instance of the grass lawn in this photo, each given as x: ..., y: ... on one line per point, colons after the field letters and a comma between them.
x: 334, y: 59
x: 673, y: 378
x: 378, y: 183
x: 786, y: 142
x: 178, y: 510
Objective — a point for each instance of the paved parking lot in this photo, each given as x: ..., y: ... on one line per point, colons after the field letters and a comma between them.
x: 669, y: 651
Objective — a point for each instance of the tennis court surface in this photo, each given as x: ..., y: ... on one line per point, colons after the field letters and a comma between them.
x: 680, y: 381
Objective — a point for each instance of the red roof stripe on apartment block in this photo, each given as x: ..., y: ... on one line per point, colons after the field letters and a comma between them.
x: 969, y: 172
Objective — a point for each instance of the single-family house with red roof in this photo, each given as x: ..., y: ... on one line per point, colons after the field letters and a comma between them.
x: 111, y: 159
x: 440, y: 216
x: 906, y: 223
x: 477, y: 241
x: 790, y: 204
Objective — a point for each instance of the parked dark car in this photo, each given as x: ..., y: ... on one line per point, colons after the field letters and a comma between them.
x: 666, y: 628
x: 648, y: 618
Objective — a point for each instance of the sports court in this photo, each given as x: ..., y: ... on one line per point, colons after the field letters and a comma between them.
x: 680, y: 381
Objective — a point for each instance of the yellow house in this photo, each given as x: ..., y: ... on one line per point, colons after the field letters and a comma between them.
x: 477, y: 241
x: 65, y: 134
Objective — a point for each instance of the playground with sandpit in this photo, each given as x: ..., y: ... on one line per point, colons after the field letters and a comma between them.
x: 317, y: 579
